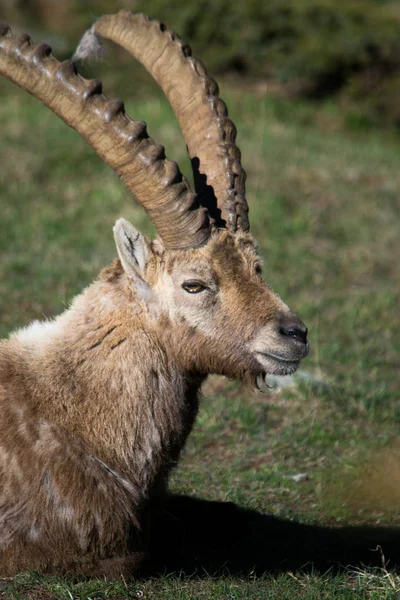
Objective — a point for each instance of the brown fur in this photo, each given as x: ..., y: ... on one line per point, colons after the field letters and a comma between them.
x: 96, y: 407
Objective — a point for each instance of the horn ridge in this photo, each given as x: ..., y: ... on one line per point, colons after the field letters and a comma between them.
x: 209, y: 134
x: 123, y: 144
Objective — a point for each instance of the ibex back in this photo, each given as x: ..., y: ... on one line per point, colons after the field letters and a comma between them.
x: 96, y: 405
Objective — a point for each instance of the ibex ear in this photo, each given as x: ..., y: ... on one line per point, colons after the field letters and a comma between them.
x: 133, y: 249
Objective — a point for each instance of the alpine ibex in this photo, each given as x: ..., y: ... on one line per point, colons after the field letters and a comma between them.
x: 96, y: 404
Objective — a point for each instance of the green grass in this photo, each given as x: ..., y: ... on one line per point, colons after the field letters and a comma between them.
x: 354, y: 586
x: 324, y: 207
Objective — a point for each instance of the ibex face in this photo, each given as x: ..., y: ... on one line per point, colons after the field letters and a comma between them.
x: 212, y: 306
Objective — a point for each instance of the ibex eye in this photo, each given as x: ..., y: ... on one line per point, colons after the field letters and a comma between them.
x: 193, y: 287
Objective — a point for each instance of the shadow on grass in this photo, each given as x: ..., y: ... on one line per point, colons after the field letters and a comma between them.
x: 196, y: 536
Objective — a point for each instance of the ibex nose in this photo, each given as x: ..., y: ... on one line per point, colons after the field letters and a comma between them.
x: 293, y: 328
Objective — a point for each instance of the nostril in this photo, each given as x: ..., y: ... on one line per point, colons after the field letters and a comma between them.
x: 297, y: 332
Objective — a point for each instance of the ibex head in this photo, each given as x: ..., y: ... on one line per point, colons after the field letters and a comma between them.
x: 201, y: 282
x: 213, y: 304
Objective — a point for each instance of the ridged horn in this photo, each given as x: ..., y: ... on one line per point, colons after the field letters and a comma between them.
x: 122, y: 143
x: 209, y: 134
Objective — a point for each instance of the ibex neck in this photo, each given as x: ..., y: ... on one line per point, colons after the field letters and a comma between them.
x: 98, y: 371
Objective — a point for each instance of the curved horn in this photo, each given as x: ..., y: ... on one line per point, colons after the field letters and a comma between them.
x: 122, y: 143
x: 203, y: 117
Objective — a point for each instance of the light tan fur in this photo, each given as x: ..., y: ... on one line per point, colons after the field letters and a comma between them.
x: 96, y: 405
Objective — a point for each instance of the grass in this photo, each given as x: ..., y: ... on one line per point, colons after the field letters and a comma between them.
x: 324, y: 208
x: 354, y: 586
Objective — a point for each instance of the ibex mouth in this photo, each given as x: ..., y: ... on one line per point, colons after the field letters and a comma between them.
x: 279, y: 358
x: 287, y: 369
x: 274, y: 364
